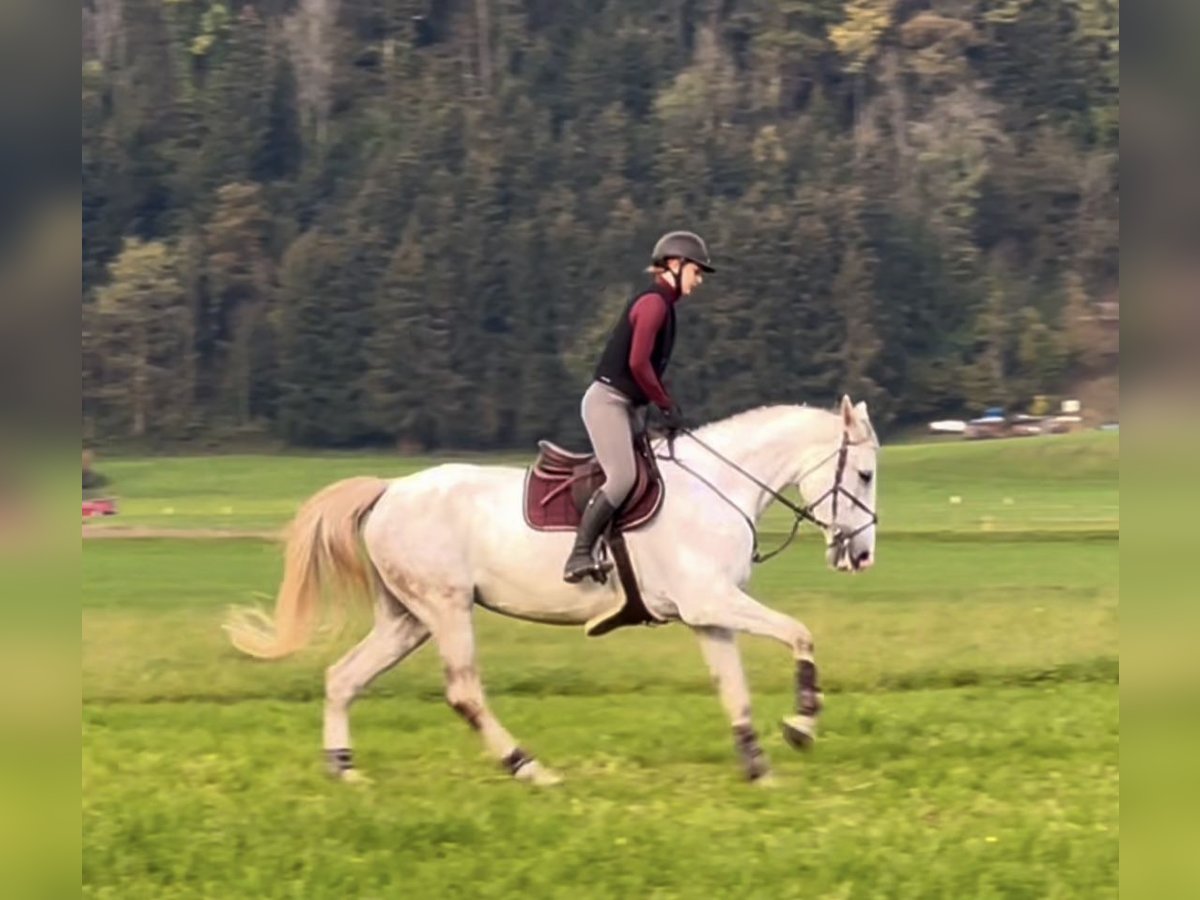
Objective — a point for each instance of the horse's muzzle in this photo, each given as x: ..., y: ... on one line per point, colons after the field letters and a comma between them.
x: 842, y: 557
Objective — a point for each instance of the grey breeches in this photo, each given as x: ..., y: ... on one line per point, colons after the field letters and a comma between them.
x: 611, y: 420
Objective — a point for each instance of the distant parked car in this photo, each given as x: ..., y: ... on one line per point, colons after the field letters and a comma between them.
x: 99, y: 506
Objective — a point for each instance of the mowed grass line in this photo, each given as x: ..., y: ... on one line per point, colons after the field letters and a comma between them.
x: 965, y: 793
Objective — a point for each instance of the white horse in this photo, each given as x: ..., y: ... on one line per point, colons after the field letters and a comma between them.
x: 445, y: 539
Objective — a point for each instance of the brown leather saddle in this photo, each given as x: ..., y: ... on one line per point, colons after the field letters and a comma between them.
x: 559, y: 484
x: 557, y: 488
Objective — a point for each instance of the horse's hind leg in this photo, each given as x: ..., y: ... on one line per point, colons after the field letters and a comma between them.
x: 397, y: 633
x: 455, y: 636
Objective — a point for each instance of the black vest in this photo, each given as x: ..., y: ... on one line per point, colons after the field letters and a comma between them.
x: 613, y: 368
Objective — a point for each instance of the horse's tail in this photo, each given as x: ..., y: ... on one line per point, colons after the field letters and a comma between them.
x: 323, y: 552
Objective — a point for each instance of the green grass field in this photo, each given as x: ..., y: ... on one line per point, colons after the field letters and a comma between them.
x: 969, y: 746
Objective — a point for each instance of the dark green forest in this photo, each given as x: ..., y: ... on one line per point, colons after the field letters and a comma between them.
x: 411, y: 222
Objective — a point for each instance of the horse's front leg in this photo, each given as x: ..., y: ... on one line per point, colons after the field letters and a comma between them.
x: 734, y: 610
x: 725, y: 664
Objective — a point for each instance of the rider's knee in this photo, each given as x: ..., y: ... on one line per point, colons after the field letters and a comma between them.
x: 617, y: 489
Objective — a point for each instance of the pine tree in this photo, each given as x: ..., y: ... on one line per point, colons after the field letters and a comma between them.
x: 237, y: 106
x: 239, y: 280
x: 986, y: 376
x: 1039, y: 356
x: 854, y: 300
x: 103, y: 193
x: 140, y: 340
x: 281, y: 152
x: 409, y: 382
x: 320, y: 345
x: 1083, y: 341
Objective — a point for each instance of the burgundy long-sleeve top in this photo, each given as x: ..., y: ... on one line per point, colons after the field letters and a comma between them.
x: 646, y: 316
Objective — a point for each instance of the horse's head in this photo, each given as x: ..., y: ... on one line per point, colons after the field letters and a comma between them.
x: 840, y: 490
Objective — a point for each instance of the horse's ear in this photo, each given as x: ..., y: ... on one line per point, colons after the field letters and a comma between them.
x: 847, y: 411
x: 861, y: 409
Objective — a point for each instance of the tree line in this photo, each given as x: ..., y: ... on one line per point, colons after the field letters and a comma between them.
x: 339, y: 222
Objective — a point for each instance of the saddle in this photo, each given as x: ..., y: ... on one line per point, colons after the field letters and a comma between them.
x: 557, y: 488
x: 559, y: 484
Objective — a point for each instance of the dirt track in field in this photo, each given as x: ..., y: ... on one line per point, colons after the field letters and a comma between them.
x: 113, y: 533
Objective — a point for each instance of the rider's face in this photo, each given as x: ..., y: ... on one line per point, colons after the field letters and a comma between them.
x: 690, y: 276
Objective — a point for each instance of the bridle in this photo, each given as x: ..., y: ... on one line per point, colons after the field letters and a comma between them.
x: 838, y: 539
x: 841, y: 538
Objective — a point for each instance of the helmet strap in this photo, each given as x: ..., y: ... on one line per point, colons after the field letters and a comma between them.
x: 677, y: 278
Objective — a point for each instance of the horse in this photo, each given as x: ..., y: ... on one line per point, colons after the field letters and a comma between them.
x: 428, y: 547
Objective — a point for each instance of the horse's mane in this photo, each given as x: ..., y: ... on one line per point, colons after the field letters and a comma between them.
x: 749, y: 416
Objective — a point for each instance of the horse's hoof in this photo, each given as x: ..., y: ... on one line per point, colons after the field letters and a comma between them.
x: 766, y: 780
x: 800, y: 732
x: 535, y: 773
x: 354, y: 776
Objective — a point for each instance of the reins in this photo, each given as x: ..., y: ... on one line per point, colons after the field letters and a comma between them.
x: 799, y: 513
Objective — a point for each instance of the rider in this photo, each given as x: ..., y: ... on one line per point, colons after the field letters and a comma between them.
x: 627, y: 379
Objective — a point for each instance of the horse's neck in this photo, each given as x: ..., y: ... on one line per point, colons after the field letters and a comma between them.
x: 774, y: 444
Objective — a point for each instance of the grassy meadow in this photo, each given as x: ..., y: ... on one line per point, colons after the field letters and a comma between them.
x: 968, y: 749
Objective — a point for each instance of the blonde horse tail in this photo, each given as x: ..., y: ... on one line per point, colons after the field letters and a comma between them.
x: 324, y: 559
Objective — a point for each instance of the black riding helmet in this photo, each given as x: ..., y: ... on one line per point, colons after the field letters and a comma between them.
x: 684, y: 245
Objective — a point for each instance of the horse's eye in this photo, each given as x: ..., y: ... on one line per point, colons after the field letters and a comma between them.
x: 866, y: 476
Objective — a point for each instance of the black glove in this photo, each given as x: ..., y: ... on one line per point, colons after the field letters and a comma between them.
x: 672, y: 418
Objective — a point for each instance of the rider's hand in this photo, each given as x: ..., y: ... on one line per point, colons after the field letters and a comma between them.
x: 672, y: 417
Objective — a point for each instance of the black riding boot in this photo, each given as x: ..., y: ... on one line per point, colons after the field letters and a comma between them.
x: 582, y: 561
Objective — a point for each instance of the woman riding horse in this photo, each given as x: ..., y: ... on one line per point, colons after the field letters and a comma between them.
x: 627, y: 379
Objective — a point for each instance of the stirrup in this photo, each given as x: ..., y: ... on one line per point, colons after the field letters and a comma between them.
x: 597, y: 570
